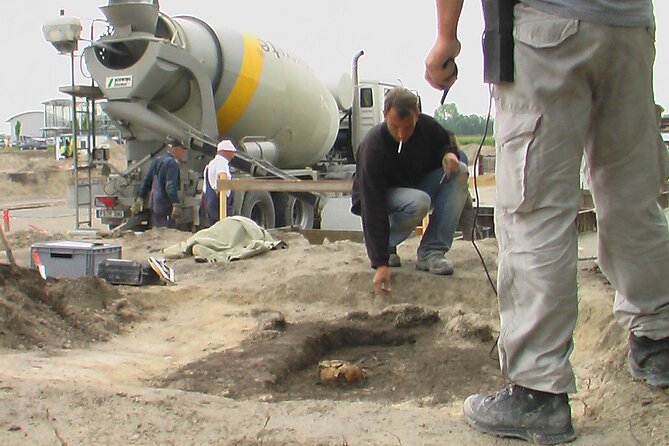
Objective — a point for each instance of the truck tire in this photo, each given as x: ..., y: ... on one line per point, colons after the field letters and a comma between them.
x: 291, y: 211
x: 259, y: 207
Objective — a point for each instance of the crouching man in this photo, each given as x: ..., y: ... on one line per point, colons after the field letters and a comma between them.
x: 407, y: 166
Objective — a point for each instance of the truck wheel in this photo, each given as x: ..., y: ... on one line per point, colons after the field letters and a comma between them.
x: 292, y: 211
x: 258, y: 206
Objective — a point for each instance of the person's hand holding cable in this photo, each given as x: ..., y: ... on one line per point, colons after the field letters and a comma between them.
x: 442, y: 75
x: 440, y: 68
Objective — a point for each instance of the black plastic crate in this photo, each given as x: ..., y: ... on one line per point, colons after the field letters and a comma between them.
x: 127, y: 272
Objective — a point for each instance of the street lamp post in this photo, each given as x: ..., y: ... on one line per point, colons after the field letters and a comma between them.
x: 64, y: 33
x: 74, y: 144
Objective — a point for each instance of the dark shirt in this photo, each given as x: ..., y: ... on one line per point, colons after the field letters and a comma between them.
x: 166, y: 167
x: 379, y: 167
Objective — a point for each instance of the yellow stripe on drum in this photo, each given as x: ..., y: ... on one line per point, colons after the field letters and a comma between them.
x: 245, y: 86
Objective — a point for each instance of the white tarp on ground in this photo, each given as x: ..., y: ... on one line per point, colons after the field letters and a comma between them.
x: 233, y: 238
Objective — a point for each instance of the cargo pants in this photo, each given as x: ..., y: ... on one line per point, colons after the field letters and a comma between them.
x: 581, y: 91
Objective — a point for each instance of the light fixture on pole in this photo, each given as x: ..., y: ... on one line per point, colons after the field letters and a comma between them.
x: 64, y: 33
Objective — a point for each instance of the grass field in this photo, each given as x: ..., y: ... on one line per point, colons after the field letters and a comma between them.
x: 475, y: 139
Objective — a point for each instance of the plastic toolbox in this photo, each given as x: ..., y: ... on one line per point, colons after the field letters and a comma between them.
x: 71, y: 258
x: 127, y: 272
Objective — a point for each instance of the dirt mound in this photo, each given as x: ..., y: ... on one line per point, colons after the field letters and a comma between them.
x: 27, y: 160
x: 117, y: 155
x: 47, y: 183
x: 59, y: 312
x: 25, y: 239
x: 32, y: 174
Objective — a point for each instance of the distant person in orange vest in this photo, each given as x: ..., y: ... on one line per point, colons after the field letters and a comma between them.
x: 67, y: 148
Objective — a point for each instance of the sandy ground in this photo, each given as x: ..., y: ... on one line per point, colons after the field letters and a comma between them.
x: 208, y: 360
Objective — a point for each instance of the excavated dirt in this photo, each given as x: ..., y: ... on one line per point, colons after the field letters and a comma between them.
x: 229, y: 355
x: 25, y: 239
x: 33, y: 174
x: 59, y: 313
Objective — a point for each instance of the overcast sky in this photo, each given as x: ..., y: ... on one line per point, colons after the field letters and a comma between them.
x: 395, y: 36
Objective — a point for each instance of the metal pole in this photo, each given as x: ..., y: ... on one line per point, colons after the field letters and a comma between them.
x: 8, y: 248
x: 91, y: 149
x: 75, y: 146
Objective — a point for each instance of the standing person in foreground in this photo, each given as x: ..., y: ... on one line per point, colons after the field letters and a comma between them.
x: 583, y: 82
x: 163, y: 180
x: 405, y: 166
x: 219, y: 164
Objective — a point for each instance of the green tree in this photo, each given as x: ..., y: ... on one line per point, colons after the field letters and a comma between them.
x: 450, y: 118
x: 17, y: 131
x: 84, y: 124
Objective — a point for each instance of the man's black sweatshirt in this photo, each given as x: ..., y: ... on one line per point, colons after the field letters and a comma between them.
x: 379, y: 167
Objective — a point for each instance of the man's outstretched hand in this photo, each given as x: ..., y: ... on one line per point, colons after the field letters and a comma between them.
x: 382, y: 281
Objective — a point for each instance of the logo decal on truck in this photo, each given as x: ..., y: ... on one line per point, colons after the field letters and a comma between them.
x: 119, y: 82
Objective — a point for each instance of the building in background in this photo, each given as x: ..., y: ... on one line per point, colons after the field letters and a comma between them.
x: 58, y: 119
x: 28, y: 123
x: 41, y: 128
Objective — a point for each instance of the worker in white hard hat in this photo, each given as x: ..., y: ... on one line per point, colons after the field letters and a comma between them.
x: 220, y: 164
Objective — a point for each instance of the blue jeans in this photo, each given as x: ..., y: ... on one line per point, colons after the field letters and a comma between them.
x: 408, y: 206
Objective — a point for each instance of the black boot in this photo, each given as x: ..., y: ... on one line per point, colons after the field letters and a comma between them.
x: 649, y: 360
x: 519, y: 412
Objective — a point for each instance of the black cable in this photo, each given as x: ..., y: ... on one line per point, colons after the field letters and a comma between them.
x: 476, y: 191
x: 478, y: 204
x: 493, y: 349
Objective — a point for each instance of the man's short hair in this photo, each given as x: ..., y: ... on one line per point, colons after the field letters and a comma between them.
x: 176, y: 143
x: 402, y: 100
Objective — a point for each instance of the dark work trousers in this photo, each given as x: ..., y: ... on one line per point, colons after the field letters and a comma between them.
x: 212, y: 204
x: 161, y: 207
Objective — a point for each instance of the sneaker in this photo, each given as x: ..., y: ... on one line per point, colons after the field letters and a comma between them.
x: 649, y: 360
x: 394, y: 260
x: 519, y: 412
x: 435, y: 263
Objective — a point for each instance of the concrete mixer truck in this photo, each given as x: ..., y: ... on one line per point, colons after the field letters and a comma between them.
x: 180, y: 77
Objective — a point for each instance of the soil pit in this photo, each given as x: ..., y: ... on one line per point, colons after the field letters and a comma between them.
x: 403, y: 350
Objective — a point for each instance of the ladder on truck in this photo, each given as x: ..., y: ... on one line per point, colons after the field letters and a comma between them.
x: 83, y: 188
x: 83, y: 163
